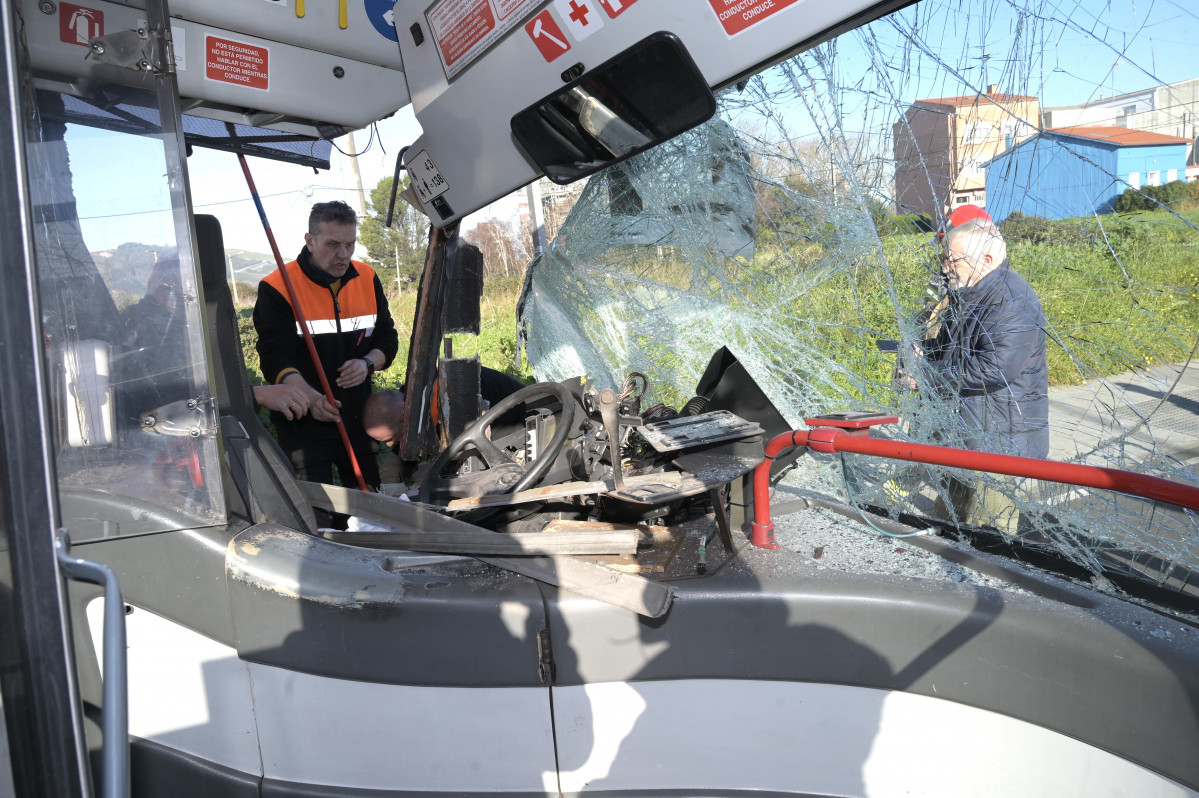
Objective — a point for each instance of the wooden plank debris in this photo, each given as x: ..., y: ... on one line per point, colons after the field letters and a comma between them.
x: 507, y: 544
x: 626, y: 591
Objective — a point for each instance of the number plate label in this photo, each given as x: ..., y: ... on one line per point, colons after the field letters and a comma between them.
x: 426, y: 178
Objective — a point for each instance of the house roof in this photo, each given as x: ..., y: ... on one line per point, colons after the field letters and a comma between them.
x: 1120, y: 136
x: 1106, y: 134
x: 973, y: 99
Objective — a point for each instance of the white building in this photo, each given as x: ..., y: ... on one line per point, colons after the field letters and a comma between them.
x: 1171, y: 110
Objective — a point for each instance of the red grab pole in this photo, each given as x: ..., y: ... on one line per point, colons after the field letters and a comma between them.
x: 295, y: 305
x: 829, y: 440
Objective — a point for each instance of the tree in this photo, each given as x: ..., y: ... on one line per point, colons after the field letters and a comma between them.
x: 502, y: 252
x: 401, y: 246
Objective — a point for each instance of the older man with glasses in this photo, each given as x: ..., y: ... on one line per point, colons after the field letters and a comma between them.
x: 990, y: 354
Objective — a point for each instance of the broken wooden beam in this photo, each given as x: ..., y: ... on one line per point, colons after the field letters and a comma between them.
x: 508, y: 544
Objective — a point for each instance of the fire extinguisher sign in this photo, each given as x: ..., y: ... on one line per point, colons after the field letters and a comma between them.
x: 79, y: 24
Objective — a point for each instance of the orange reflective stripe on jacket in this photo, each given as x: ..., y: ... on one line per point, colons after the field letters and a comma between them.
x: 353, y: 310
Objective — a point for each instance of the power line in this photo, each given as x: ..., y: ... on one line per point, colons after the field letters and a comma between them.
x: 164, y: 210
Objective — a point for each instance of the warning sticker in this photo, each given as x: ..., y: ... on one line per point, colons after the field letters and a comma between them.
x: 504, y: 8
x: 464, y: 29
x: 78, y: 24
x: 738, y: 15
x: 471, y: 22
x: 244, y: 64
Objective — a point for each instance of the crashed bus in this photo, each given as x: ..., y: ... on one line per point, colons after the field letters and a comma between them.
x: 705, y: 560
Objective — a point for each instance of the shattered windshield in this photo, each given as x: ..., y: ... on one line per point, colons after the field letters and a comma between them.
x: 804, y: 228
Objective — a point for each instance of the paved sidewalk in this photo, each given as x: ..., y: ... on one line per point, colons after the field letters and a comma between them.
x: 1152, y: 410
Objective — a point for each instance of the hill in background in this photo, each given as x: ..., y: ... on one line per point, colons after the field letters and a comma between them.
x: 126, y: 269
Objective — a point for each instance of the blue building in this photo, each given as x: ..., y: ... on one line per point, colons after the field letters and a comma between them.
x: 1079, y: 171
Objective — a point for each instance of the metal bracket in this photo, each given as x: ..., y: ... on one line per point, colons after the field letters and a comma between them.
x: 142, y: 50
x: 609, y: 407
x: 187, y: 418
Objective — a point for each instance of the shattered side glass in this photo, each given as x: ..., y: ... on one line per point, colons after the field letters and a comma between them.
x: 134, y: 422
x: 799, y: 228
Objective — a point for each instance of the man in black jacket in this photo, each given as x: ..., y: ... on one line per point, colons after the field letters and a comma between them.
x: 346, y: 312
x: 990, y: 353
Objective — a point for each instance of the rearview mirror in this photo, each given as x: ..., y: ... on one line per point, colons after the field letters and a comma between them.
x: 647, y: 94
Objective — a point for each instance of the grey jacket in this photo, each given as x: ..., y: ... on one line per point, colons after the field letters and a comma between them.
x: 990, y: 352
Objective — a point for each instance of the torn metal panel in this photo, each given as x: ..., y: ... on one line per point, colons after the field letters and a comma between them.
x: 464, y: 289
x: 460, y: 393
x: 447, y: 300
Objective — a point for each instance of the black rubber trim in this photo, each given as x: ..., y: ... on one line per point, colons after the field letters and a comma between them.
x: 159, y: 771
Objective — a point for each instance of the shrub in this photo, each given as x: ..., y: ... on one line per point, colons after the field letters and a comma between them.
x: 1148, y: 198
x: 1036, y: 230
x: 907, y: 223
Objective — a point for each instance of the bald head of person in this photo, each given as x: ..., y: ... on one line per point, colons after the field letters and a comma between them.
x: 383, y: 416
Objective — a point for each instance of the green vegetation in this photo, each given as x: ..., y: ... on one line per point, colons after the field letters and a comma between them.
x: 396, y: 252
x: 1119, y: 292
x: 1118, y: 295
x: 1177, y: 194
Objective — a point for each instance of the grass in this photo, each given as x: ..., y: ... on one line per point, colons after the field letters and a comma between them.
x: 1116, y: 297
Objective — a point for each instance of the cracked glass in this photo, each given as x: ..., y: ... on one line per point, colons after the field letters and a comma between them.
x: 805, y: 229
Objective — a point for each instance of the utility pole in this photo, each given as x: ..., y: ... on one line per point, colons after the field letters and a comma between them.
x: 352, y: 152
x: 536, y: 219
x: 232, y: 279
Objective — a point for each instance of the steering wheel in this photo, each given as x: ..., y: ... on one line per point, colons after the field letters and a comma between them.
x: 474, y: 437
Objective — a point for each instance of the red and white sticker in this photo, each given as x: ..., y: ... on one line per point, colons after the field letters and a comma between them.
x: 460, y: 26
x: 242, y: 64
x: 546, y: 34
x: 615, y: 8
x: 582, y: 17
x: 79, y: 24
x: 464, y: 29
x: 739, y: 15
x: 504, y: 8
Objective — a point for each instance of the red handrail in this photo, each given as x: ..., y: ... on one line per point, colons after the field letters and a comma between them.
x: 828, y: 441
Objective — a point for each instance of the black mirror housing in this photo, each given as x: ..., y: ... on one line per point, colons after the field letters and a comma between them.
x: 647, y: 94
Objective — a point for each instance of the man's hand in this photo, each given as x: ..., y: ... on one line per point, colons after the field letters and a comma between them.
x: 323, y: 411
x: 289, y: 399
x: 902, y: 378
x: 352, y: 373
x: 355, y: 372
x: 320, y: 407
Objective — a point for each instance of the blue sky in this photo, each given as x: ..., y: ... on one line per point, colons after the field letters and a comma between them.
x: 1075, y: 51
